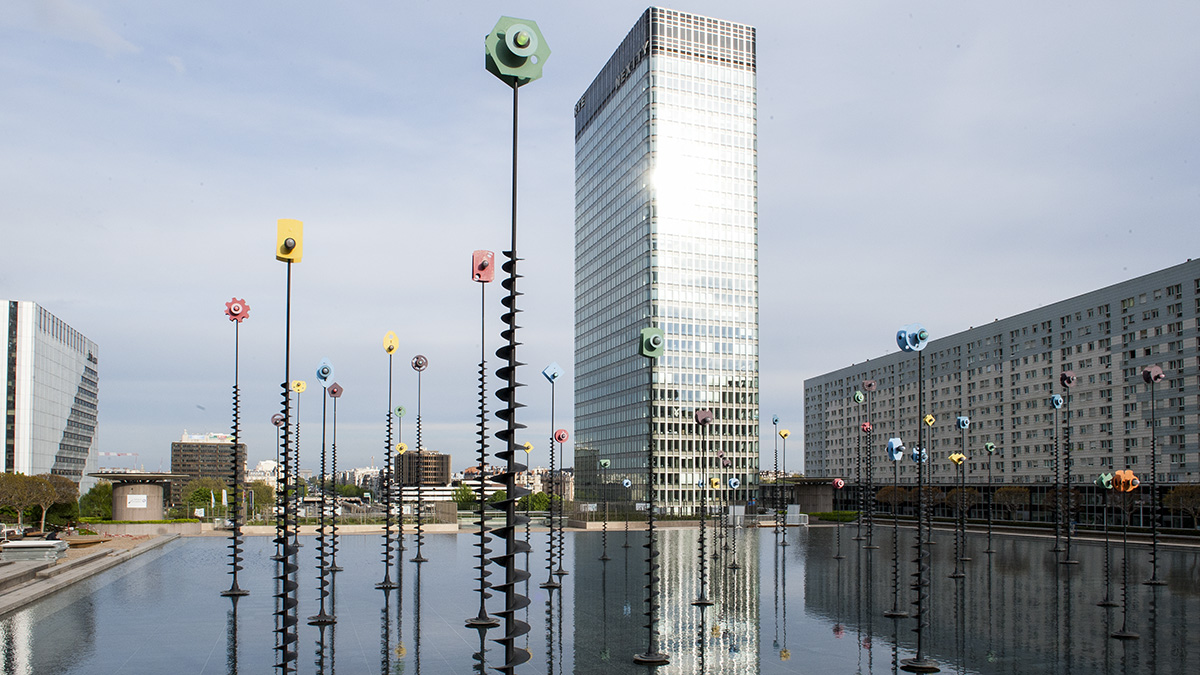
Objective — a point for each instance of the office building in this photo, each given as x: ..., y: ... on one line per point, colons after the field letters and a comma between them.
x: 51, y: 395
x: 666, y: 236
x: 1002, y: 376
x: 431, y: 469
x: 204, y: 456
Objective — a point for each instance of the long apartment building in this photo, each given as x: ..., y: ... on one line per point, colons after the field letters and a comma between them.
x: 1002, y: 376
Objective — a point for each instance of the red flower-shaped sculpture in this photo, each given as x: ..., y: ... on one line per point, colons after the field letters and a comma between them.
x: 237, y: 310
x: 866, y: 427
x: 335, y: 390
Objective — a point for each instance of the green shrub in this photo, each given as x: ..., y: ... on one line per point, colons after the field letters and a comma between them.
x: 836, y: 516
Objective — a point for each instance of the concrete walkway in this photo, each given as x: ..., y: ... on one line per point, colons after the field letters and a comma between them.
x: 25, y: 582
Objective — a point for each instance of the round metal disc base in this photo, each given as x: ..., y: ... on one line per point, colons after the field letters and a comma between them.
x: 701, y: 602
x: 550, y: 584
x: 919, y: 666
x: 1154, y: 582
x: 655, y: 659
x: 482, y: 621
x: 872, y: 547
x: 895, y: 614
x: 1068, y: 562
x: 321, y: 619
x: 234, y: 592
x: 956, y: 575
x: 1125, y: 635
x: 964, y: 560
x: 733, y: 566
x: 839, y: 557
x: 387, y: 585
x: 1107, y: 603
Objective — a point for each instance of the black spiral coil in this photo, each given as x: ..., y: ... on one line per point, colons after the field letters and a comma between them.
x: 733, y: 560
x: 285, y: 521
x: 322, y: 617
x: 514, y: 601
x: 652, y: 567
x: 702, y: 554
x: 235, y: 541
x: 859, y: 497
x: 870, y: 515
x: 482, y: 620
x: 551, y: 582
x: 419, y: 557
x: 333, y: 513
x: 385, y: 488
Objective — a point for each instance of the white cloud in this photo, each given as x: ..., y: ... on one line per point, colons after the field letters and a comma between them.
x: 68, y: 20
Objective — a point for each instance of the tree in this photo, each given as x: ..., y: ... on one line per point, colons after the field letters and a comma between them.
x: 537, y: 501
x: 66, y: 489
x: 43, y: 494
x: 19, y: 492
x: 893, y: 495
x: 964, y: 499
x: 203, y: 491
x: 465, y: 497
x: 264, y: 494
x: 97, y: 503
x: 351, y: 491
x: 1185, y: 498
x: 1012, y: 498
x: 497, y: 497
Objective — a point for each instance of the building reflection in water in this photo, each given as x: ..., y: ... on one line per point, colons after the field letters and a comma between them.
x: 1017, y: 610
x: 727, y: 633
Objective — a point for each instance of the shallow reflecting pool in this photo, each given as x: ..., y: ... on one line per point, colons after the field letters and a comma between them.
x: 786, y: 610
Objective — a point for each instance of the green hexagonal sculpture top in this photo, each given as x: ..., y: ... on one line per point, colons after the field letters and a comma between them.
x: 516, y: 51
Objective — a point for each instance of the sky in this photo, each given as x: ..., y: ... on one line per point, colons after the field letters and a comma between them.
x: 944, y: 163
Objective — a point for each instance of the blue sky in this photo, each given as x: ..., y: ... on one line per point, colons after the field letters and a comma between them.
x: 948, y: 163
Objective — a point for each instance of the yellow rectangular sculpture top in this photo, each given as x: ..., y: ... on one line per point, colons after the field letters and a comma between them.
x: 289, y: 240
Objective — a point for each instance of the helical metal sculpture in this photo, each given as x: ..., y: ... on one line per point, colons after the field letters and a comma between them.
x: 859, y: 498
x: 869, y: 386
x: 1152, y: 376
x: 652, y: 343
x: 237, y: 311
x: 703, y: 419
x: 1105, y: 483
x: 1056, y: 401
x: 775, y: 471
x: 896, y: 450
x: 838, y: 484
x: 552, y: 372
x: 604, y: 464
x: 1125, y: 481
x: 386, y: 484
x: 483, y: 272
x: 783, y: 502
x: 322, y: 617
x: 914, y: 338
x: 335, y: 392
x: 419, y: 364
x: 515, y: 53
x: 289, y: 246
x: 1068, y: 380
x: 990, y: 448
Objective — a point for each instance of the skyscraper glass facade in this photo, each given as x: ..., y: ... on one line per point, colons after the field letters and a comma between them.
x: 666, y: 236
x: 51, y: 392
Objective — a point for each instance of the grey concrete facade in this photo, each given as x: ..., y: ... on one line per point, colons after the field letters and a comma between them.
x: 1002, y: 376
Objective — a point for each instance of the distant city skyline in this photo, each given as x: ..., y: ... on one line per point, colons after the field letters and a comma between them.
x: 948, y: 164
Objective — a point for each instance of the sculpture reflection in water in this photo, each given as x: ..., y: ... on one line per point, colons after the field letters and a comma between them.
x: 231, y: 639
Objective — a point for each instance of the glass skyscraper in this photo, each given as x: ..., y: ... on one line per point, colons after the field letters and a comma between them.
x: 51, y: 392
x: 666, y: 235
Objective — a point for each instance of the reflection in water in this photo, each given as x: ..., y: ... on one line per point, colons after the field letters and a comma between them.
x: 231, y: 640
x: 417, y: 620
x: 1017, y: 611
